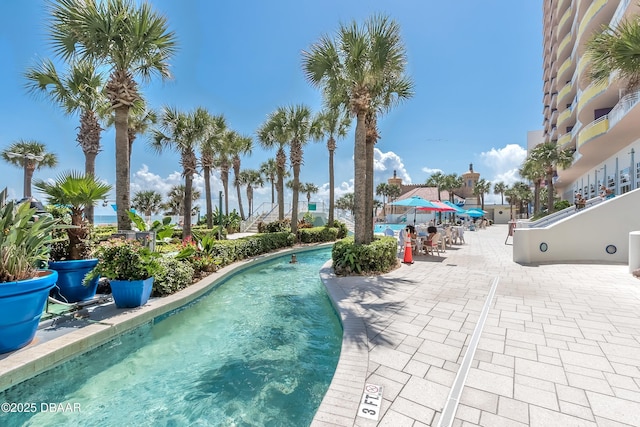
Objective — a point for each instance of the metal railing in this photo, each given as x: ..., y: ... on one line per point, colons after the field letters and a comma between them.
x: 258, y: 214
x: 557, y: 216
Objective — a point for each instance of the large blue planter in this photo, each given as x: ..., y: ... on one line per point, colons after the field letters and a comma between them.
x: 70, y: 276
x: 131, y: 293
x: 21, y: 305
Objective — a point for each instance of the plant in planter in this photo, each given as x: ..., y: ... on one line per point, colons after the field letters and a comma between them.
x: 73, y: 260
x: 24, y: 288
x: 130, y: 268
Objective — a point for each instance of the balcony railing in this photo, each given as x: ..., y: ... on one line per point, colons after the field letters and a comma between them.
x: 623, y: 106
x: 563, y: 117
x: 565, y: 17
x: 592, y: 130
x: 566, y: 90
x: 565, y: 65
x: 619, y: 13
x: 593, y: 90
x: 565, y: 41
x: 595, y: 7
x: 564, y: 140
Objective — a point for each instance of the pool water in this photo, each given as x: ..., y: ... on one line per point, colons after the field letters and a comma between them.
x: 379, y: 228
x: 259, y: 350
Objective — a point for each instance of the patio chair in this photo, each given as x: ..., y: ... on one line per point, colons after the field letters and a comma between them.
x: 434, y: 243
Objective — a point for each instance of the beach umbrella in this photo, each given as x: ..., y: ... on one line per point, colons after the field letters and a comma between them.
x: 457, y: 208
x: 475, y: 213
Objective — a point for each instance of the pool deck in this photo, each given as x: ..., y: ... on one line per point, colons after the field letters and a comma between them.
x: 560, y: 345
x: 555, y: 345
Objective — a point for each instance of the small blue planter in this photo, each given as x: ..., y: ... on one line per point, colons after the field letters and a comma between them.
x: 131, y: 293
x: 21, y: 305
x: 70, y: 276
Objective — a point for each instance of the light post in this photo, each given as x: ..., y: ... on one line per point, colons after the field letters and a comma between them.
x: 27, y: 159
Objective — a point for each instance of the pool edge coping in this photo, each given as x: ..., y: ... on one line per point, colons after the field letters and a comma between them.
x: 32, y: 360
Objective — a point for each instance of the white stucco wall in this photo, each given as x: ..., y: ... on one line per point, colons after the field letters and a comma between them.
x: 583, y: 236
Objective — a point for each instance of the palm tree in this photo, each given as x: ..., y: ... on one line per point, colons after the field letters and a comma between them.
x: 499, y: 188
x: 298, y: 127
x: 182, y: 132
x: 223, y: 160
x: 382, y: 189
x: 141, y: 119
x: 550, y: 157
x: 361, y: 70
x: 533, y: 171
x: 480, y: 189
x: 252, y: 179
x: 147, y: 202
x: 29, y: 155
x: 79, y: 91
x: 269, y: 170
x: 176, y: 197
x: 308, y: 188
x: 331, y: 123
x: 393, y: 192
x: 240, y: 145
x: 76, y: 191
x: 452, y: 182
x: 346, y: 202
x: 522, y: 194
x: 616, y: 50
x: 130, y: 38
x: 273, y: 133
x: 437, y: 180
x: 216, y: 128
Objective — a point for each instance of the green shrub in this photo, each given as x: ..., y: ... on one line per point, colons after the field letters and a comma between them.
x: 318, y: 234
x: 172, y: 276
x: 560, y: 205
x: 104, y: 232
x: 276, y: 226
x: 377, y: 257
x: 342, y: 228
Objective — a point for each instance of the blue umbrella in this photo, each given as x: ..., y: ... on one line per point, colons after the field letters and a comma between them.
x: 475, y: 212
x: 458, y: 209
x: 415, y: 202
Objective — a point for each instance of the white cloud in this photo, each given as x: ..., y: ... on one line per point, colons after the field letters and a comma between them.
x: 389, y: 162
x: 503, y: 164
x: 430, y: 171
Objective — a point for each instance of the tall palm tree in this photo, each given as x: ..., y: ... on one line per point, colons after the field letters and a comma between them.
x: 269, y: 170
x: 308, y: 188
x: 362, y: 68
x: 79, y: 91
x: 533, y: 171
x: 130, y: 38
x: 175, y: 202
x: 550, y: 157
x: 298, y: 128
x: 331, y: 123
x: 393, y: 192
x: 481, y: 188
x: 382, y: 189
x: 451, y: 183
x: 240, y: 145
x: 499, y: 188
x: 273, y: 133
x: 147, y: 201
x: 437, y: 180
x: 141, y: 119
x: 30, y: 156
x: 216, y: 128
x: 223, y: 161
x: 616, y: 50
x: 252, y: 179
x: 182, y: 132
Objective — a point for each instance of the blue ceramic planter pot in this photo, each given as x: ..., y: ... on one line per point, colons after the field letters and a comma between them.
x: 21, y: 305
x: 131, y: 293
x: 70, y: 276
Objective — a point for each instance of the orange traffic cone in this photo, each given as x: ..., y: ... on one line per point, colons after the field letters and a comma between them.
x: 408, y: 254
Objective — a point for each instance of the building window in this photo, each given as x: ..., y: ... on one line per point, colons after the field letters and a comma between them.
x: 637, y: 175
x: 611, y: 182
x: 625, y: 181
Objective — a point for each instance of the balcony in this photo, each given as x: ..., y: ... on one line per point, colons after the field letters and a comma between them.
x: 564, y: 68
x: 564, y: 141
x: 619, y: 13
x: 582, y: 64
x: 564, y: 92
x: 565, y: 18
x: 593, y: 10
x: 563, y: 44
x: 561, y: 5
x: 563, y: 117
x: 623, y: 106
x: 591, y: 92
x: 595, y: 128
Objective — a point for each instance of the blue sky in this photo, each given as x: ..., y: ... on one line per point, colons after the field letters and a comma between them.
x: 476, y: 68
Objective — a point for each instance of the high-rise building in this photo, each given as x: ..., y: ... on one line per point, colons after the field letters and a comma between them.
x: 601, y: 122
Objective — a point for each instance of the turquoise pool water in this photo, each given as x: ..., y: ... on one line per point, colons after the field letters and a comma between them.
x: 259, y: 350
x: 379, y: 228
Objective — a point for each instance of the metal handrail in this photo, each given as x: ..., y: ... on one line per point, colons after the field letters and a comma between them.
x: 557, y: 216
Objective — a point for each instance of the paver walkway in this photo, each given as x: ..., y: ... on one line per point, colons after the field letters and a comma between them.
x: 560, y: 346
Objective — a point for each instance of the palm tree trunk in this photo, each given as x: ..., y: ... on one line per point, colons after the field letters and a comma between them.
x: 280, y: 195
x: 331, y: 189
x: 536, y: 196
x: 188, y: 194
x: 28, y: 176
x: 550, y: 192
x: 122, y: 167
x: 294, y: 203
x: 207, y: 195
x: 369, y: 191
x: 360, y: 181
x: 273, y: 187
x: 89, y: 169
x: 224, y: 176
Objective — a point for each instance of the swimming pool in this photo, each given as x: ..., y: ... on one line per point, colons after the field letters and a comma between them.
x: 379, y: 228
x: 260, y: 349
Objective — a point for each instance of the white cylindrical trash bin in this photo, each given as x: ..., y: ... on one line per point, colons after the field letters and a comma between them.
x: 634, y: 251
